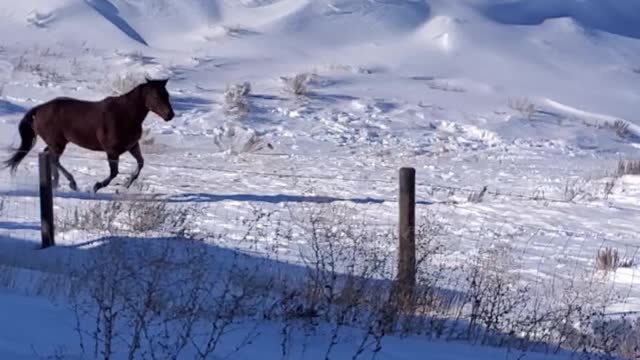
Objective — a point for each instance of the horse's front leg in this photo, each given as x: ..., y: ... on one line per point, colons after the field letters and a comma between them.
x: 113, y: 172
x: 137, y: 154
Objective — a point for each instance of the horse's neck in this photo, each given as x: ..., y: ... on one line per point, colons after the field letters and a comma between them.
x: 134, y: 101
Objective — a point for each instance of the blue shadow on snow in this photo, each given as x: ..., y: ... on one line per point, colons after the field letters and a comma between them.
x: 110, y: 12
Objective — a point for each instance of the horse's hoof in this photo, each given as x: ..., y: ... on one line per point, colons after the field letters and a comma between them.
x: 73, y: 186
x: 96, y: 187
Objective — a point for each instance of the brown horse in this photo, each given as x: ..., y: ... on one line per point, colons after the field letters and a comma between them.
x: 112, y: 125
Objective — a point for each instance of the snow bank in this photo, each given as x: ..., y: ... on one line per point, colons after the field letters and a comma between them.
x: 620, y: 17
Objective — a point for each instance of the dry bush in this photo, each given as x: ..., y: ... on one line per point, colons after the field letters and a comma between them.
x: 576, y: 189
x: 127, y: 214
x: 8, y: 277
x: 628, y: 167
x: 47, y: 75
x: 495, y: 296
x: 444, y: 86
x: 236, y: 99
x: 608, y: 188
x: 238, y: 140
x: 616, y: 337
x: 477, y: 197
x: 523, y: 106
x: 297, y: 85
x: 621, y: 336
x: 608, y: 259
x: 344, y: 286
x: 155, y: 301
x: 620, y: 127
x: 161, y: 299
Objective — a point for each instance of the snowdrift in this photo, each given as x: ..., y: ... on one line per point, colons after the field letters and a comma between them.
x: 619, y: 17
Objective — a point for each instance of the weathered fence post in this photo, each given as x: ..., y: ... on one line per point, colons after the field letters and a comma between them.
x: 46, y: 200
x: 406, y: 280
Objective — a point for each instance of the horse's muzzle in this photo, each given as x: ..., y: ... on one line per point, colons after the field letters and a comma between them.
x: 170, y: 116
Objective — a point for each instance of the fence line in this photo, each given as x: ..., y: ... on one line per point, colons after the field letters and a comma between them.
x: 428, y: 184
x: 421, y: 185
x: 531, y: 245
x: 326, y: 199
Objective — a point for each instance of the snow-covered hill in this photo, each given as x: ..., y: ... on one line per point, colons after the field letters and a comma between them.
x: 536, y: 99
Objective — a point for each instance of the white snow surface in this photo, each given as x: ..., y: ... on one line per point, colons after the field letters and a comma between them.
x: 432, y: 84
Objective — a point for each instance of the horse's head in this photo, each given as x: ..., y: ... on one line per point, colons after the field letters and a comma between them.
x: 156, y: 98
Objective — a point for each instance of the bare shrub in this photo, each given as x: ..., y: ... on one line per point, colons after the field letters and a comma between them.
x: 608, y: 259
x: 576, y: 189
x: 523, y: 106
x: 621, y: 336
x: 477, y: 197
x: 344, y: 285
x: 236, y: 99
x: 444, y: 86
x: 494, y: 294
x: 164, y: 299
x: 620, y: 127
x: 21, y: 63
x: 608, y: 188
x: 615, y: 337
x: 628, y: 167
x: 8, y: 277
x: 47, y: 75
x: 434, y: 310
x: 128, y: 214
x: 297, y: 85
x: 167, y: 299
x: 238, y: 140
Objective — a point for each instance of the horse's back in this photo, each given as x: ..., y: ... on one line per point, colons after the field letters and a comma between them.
x: 64, y: 119
x: 65, y: 100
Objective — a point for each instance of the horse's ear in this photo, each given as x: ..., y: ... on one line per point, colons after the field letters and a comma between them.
x: 146, y: 78
x: 164, y: 82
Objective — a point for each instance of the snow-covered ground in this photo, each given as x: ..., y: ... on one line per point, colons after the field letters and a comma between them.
x: 535, y: 99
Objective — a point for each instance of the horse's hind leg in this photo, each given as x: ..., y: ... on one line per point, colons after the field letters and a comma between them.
x: 113, y: 172
x: 72, y: 182
x: 57, y: 168
x: 137, y: 154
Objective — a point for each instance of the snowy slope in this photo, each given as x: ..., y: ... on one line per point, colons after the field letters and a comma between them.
x: 536, y: 99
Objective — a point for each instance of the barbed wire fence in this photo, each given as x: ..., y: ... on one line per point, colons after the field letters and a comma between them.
x: 546, y: 261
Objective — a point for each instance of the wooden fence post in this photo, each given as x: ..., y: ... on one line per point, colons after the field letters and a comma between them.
x: 406, y: 280
x: 46, y: 200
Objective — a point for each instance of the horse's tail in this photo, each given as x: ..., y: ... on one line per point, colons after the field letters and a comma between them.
x: 28, y: 140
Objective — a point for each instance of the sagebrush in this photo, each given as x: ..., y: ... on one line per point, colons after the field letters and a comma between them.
x: 236, y: 99
x: 523, y: 106
x: 609, y: 259
x: 628, y: 167
x: 297, y: 85
x: 127, y: 215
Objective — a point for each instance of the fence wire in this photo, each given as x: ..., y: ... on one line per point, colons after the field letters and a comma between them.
x: 280, y: 216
